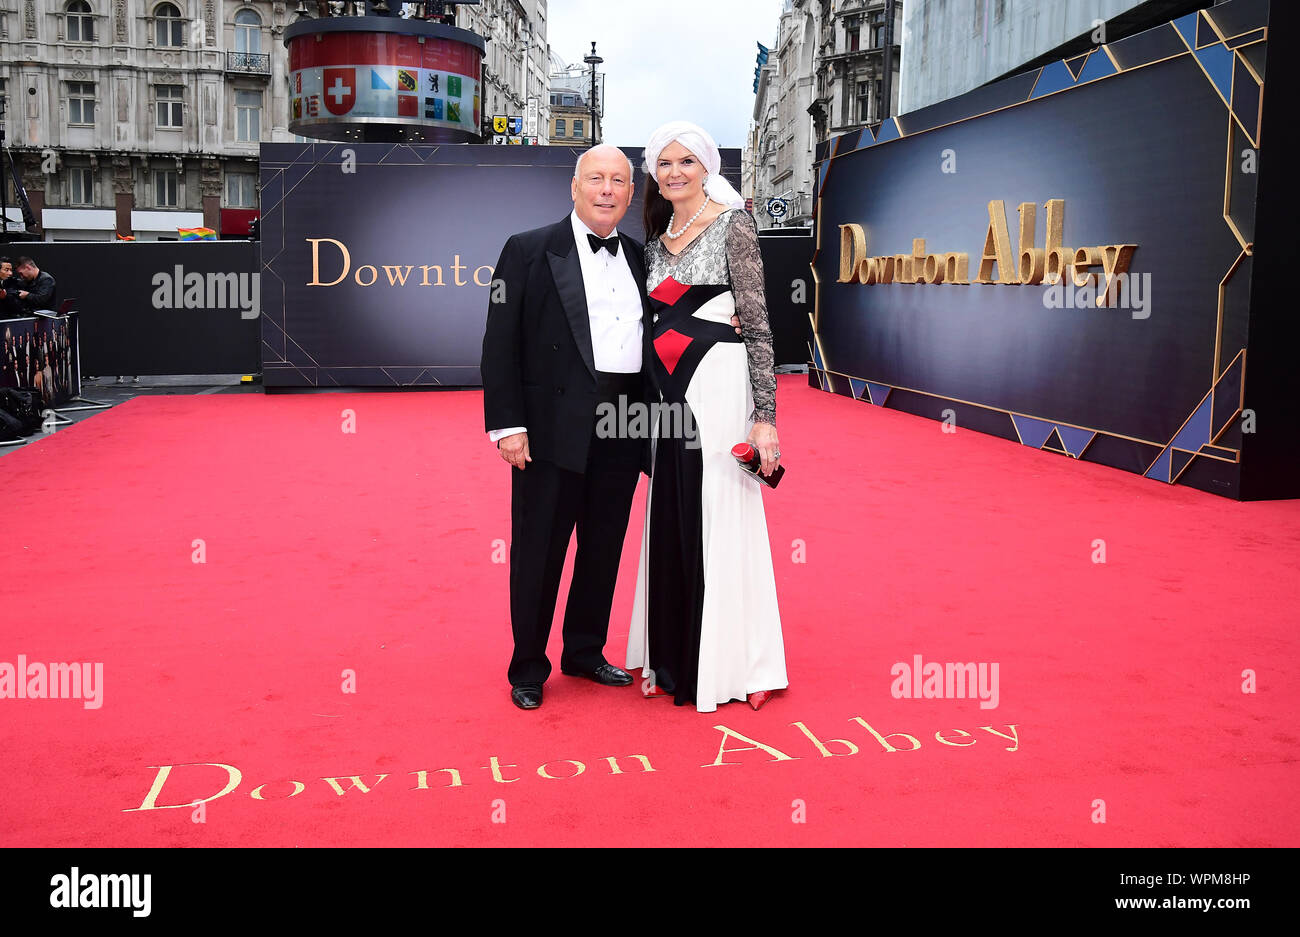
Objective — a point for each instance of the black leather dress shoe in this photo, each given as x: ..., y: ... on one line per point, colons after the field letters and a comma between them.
x: 607, y: 674
x: 526, y: 696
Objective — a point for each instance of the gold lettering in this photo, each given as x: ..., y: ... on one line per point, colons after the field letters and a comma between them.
x: 1115, y: 260
x: 298, y: 788
x: 853, y: 250
x: 1057, y: 258
x: 776, y: 754
x: 615, y: 769
x: 489, y: 273
x: 496, y: 767
x: 1031, y: 257
x: 1084, y: 258
x: 916, y: 743
x: 315, y: 261
x: 821, y: 747
x: 940, y: 736
x: 164, y: 771
x: 997, y: 248
x: 956, y: 269
x: 918, y: 261
x: 426, y: 268
x: 567, y: 761
x: 356, y: 783
x: 396, y: 275
x: 457, y: 267
x: 374, y: 275
x: 422, y: 779
x: 902, y: 268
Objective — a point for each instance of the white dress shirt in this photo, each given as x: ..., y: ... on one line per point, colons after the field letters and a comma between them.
x: 613, y: 309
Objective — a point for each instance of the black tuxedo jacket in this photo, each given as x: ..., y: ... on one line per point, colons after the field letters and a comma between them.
x: 538, y: 368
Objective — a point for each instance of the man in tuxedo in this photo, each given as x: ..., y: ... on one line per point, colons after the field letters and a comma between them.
x: 568, y: 329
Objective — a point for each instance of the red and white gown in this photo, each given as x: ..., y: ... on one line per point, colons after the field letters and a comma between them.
x: 705, y: 623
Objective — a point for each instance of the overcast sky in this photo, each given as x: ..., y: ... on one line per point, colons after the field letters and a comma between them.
x: 669, y: 60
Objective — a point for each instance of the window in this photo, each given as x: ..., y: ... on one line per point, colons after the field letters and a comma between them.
x: 81, y: 186
x: 248, y: 32
x: 865, y: 93
x: 171, y: 105
x: 81, y: 22
x: 248, y: 116
x: 577, y: 128
x: 241, y: 190
x: 852, y: 34
x: 81, y: 104
x: 166, y: 184
x: 168, y: 27
x: 560, y: 125
x: 555, y: 100
x: 570, y: 100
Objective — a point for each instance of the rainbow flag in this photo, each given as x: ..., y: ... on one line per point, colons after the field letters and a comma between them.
x: 197, y: 234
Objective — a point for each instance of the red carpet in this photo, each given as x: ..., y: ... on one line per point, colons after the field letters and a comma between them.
x: 373, y: 552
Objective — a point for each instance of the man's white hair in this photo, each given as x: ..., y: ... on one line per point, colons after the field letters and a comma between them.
x: 577, y: 169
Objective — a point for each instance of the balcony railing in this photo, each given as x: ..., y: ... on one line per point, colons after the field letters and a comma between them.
x: 248, y: 63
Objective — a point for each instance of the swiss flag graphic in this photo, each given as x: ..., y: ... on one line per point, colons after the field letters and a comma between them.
x: 408, y: 105
x: 340, y: 89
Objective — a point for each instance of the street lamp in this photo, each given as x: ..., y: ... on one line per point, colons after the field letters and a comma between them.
x: 593, y: 60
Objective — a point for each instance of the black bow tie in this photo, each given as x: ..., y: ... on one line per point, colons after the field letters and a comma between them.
x: 610, y: 244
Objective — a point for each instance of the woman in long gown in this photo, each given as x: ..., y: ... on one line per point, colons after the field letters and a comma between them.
x: 705, y: 623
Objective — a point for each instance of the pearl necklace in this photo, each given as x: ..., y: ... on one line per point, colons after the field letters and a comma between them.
x: 669, y: 232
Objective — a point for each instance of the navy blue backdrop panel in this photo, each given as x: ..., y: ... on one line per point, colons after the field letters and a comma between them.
x: 1153, y: 142
x: 788, y: 287
x: 377, y: 259
x: 169, y: 307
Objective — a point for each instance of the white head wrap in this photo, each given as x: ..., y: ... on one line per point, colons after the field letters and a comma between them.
x: 697, y: 140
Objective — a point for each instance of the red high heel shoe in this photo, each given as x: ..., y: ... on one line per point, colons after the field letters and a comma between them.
x: 758, y: 699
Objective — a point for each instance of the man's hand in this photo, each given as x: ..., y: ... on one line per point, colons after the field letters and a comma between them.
x: 735, y: 323
x: 514, y: 449
x: 23, y: 294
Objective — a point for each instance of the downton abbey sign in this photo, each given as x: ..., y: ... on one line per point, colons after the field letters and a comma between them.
x: 1029, y: 265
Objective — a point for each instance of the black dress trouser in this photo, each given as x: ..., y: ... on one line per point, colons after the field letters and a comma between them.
x: 547, y: 503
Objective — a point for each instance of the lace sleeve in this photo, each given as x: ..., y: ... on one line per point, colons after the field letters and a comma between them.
x: 745, y: 266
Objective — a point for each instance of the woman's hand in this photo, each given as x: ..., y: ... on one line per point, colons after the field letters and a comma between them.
x: 763, y: 438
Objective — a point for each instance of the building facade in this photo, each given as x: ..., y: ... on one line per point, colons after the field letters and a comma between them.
x: 951, y: 48
x: 825, y: 76
x: 139, y: 117
x: 516, y: 66
x: 142, y: 116
x: 571, y: 122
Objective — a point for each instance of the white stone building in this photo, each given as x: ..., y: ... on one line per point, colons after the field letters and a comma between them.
x: 516, y: 67
x: 142, y: 116
x: 824, y: 77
